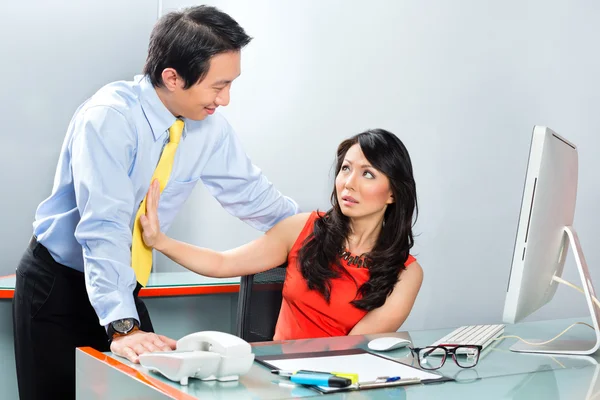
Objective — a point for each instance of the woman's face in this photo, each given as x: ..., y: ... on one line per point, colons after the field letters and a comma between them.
x: 361, y: 189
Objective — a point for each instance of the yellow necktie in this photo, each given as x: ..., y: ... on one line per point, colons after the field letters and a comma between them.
x: 141, y: 255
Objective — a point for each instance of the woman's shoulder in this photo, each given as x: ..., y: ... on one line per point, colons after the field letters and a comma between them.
x: 299, y: 226
x: 412, y: 269
x: 290, y: 228
x: 301, y: 220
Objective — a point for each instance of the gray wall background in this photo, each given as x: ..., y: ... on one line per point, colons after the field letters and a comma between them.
x: 54, y: 56
x: 461, y: 83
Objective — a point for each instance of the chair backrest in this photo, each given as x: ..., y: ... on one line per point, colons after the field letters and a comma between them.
x: 259, y: 304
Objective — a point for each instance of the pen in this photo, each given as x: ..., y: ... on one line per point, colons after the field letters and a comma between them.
x: 398, y: 382
x: 352, y: 377
x: 305, y: 371
x: 290, y: 373
x: 320, y: 379
x: 387, y: 379
x: 281, y: 372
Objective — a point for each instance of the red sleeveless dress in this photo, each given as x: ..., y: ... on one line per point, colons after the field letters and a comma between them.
x: 305, y: 313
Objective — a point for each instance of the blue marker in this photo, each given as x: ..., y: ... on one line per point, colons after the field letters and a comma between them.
x: 320, y: 380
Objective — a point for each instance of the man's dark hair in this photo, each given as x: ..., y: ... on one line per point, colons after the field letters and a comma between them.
x: 186, y: 40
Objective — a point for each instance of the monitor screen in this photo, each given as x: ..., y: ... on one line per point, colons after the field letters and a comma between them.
x: 547, y: 207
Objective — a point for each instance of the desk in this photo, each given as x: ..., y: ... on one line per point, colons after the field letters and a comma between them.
x: 160, y: 284
x: 179, y: 303
x: 500, y: 374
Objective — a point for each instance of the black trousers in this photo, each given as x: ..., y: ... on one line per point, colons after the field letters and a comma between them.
x: 52, y: 315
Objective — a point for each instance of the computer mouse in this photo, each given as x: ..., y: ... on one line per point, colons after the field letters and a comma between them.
x: 387, y: 343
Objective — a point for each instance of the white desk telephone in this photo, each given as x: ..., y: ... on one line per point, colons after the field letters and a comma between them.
x: 207, y: 355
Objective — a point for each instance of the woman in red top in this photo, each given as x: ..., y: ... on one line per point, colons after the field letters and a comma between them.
x: 349, y: 270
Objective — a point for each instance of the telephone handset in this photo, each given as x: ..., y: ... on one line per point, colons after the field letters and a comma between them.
x: 206, y: 355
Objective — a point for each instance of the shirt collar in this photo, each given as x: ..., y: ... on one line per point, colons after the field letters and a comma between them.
x: 159, y: 117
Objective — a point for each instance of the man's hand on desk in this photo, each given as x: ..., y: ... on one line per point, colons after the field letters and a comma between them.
x: 140, y: 342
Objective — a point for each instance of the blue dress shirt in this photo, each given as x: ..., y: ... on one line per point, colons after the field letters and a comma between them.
x: 112, y: 146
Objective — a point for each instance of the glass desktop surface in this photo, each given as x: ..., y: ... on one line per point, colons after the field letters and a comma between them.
x: 500, y: 373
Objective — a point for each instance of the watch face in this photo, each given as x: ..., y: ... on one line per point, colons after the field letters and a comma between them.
x: 123, y: 325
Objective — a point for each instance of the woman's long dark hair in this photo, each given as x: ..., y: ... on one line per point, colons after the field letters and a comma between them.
x: 320, y: 254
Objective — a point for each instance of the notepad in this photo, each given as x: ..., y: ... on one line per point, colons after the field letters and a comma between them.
x: 367, y: 365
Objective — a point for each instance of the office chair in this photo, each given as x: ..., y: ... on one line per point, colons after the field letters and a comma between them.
x: 259, y: 303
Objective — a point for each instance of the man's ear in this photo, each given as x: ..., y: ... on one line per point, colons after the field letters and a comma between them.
x: 171, y: 79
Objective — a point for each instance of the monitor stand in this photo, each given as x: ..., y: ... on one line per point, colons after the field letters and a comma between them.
x: 574, y: 347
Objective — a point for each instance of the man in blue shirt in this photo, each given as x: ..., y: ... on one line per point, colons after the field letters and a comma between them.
x: 75, y: 283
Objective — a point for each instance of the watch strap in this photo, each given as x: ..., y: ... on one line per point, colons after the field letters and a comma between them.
x: 113, y: 333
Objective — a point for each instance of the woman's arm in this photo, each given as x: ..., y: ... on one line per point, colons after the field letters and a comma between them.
x: 266, y: 252
x: 392, y: 314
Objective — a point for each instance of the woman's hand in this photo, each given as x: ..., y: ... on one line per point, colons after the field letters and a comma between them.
x: 150, y: 225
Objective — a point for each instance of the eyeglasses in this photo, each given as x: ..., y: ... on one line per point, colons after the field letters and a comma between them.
x: 434, y: 357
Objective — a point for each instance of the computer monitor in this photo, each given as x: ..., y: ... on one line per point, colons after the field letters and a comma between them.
x: 543, y: 237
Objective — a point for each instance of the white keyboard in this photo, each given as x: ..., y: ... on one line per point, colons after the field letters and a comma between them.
x: 482, y: 335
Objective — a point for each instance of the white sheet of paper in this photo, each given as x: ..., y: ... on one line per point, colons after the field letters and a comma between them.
x: 369, y: 367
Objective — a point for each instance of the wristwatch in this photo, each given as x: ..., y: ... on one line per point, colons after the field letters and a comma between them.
x: 122, y: 327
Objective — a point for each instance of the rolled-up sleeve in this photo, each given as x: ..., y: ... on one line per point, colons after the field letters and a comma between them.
x: 102, y: 150
x: 241, y: 187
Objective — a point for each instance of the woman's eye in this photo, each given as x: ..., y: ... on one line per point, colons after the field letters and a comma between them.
x: 345, y: 168
x: 369, y: 175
